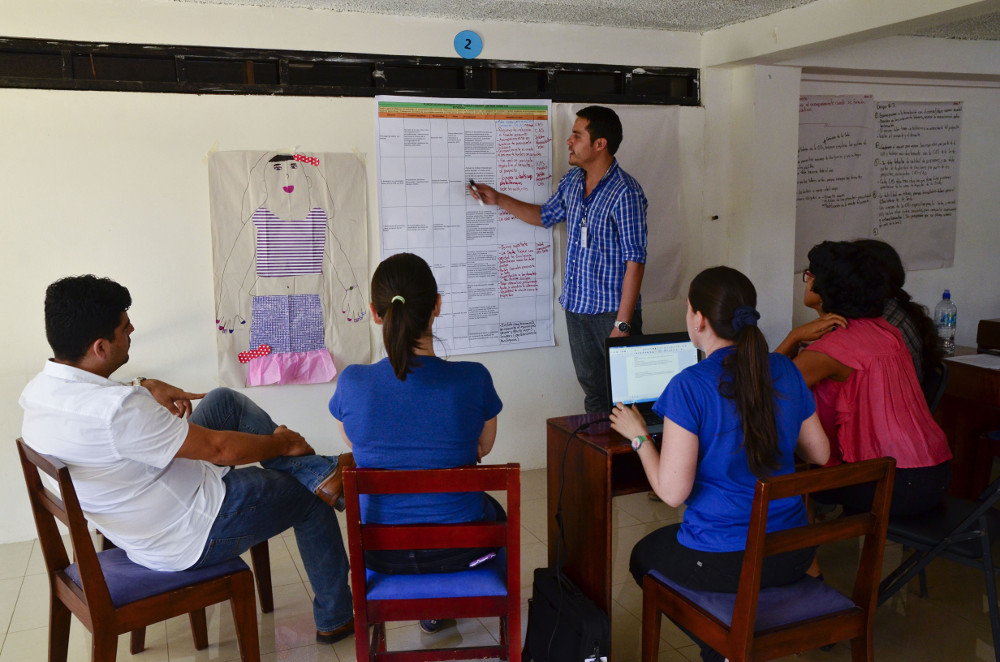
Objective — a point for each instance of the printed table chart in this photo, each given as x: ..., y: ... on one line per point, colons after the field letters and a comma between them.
x: 494, y: 272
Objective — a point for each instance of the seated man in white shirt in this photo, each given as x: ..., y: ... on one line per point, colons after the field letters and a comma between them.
x: 159, y: 485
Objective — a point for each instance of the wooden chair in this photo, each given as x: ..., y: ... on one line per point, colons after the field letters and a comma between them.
x: 260, y: 559
x: 490, y: 589
x: 958, y: 530
x: 756, y: 624
x: 112, y: 595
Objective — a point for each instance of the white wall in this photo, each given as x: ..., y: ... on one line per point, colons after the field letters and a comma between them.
x: 116, y: 184
x: 762, y: 227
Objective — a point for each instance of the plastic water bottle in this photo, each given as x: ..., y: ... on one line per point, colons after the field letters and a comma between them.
x: 945, y: 317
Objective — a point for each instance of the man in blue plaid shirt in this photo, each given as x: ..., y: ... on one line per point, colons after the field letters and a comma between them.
x: 605, y: 212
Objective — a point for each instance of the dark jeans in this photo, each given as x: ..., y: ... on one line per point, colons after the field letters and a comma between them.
x: 261, y: 503
x: 710, y: 571
x: 914, y: 491
x: 427, y: 561
x: 586, y: 346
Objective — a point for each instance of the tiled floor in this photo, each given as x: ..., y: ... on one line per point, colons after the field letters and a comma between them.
x: 950, y: 625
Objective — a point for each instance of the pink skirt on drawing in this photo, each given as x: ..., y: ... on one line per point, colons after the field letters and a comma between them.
x: 313, y: 367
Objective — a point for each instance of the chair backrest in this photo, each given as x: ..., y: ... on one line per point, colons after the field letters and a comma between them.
x: 934, y: 384
x: 871, y: 524
x: 47, y: 507
x: 483, y: 478
x: 491, y: 589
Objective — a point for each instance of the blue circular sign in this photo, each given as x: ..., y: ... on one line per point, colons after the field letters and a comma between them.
x: 468, y: 44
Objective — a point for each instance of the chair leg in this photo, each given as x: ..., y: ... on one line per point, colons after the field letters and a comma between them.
x: 378, y: 638
x: 137, y: 641
x: 260, y: 557
x: 991, y: 587
x: 863, y: 648
x: 59, y: 622
x: 104, y: 647
x: 650, y: 622
x: 503, y: 633
x: 901, y: 576
x: 245, y: 616
x: 199, y: 628
x: 361, y: 640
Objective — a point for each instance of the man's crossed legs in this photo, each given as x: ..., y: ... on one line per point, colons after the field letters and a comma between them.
x: 260, y: 503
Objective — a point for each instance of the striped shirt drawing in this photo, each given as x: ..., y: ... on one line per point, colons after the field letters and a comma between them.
x: 290, y: 248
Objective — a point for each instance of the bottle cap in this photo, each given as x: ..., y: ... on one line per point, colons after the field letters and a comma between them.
x: 946, y: 295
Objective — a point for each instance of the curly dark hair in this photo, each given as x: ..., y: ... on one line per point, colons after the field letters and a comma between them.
x: 887, y: 257
x: 848, y: 279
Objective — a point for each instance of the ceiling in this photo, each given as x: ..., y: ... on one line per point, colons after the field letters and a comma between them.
x: 676, y: 15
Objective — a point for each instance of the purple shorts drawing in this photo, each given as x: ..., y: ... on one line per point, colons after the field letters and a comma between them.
x: 292, y: 325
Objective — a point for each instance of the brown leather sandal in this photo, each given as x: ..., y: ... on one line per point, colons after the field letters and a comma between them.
x: 331, y: 490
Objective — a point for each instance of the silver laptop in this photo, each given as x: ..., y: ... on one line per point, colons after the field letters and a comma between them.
x: 638, y: 368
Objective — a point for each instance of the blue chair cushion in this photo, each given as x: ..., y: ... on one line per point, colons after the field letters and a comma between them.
x: 488, y: 579
x: 128, y: 581
x: 779, y: 605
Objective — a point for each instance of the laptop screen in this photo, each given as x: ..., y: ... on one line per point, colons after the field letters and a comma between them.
x: 640, y: 367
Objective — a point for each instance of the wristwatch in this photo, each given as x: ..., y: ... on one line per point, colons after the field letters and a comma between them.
x: 638, y: 442
x: 138, y: 381
x: 624, y: 327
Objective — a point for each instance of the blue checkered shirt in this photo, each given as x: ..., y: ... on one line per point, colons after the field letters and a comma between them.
x: 616, y: 233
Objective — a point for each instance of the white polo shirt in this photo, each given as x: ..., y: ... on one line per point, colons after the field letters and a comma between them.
x: 119, y: 444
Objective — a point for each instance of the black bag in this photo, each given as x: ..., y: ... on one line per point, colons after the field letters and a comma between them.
x: 564, y: 625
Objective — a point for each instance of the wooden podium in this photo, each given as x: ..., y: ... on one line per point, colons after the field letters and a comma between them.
x: 585, y: 471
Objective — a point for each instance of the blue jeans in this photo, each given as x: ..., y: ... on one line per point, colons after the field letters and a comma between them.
x: 586, y: 346
x: 261, y: 503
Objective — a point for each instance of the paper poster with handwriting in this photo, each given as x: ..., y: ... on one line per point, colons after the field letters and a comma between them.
x: 494, y: 272
x: 835, y: 198
x: 881, y: 169
x: 917, y: 168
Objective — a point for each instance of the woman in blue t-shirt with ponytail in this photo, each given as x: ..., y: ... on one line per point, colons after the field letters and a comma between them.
x: 413, y: 410
x: 738, y: 415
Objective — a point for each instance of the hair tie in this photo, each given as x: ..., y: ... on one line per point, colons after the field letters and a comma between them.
x: 311, y: 160
x: 743, y: 316
x: 397, y: 298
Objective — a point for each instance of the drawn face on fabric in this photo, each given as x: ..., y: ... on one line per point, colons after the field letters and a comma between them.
x: 287, y: 188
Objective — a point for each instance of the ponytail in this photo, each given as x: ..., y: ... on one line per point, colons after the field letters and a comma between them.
x: 727, y: 299
x: 752, y: 391
x: 404, y: 294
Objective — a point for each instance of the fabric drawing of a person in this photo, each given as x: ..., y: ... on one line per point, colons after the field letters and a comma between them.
x: 286, y: 256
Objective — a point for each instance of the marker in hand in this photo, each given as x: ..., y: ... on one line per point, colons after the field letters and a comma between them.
x: 472, y: 185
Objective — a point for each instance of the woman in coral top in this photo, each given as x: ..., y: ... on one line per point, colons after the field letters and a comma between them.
x: 867, y: 394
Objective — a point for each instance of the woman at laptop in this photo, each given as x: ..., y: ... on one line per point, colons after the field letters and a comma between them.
x: 413, y: 410
x: 738, y: 415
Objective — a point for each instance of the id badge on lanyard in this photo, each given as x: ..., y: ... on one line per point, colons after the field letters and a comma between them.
x: 583, y: 232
